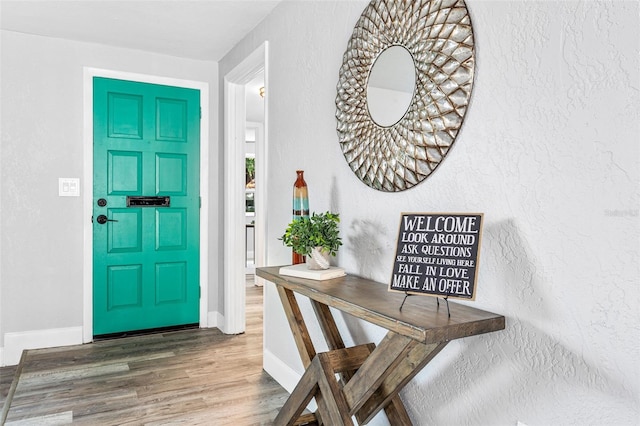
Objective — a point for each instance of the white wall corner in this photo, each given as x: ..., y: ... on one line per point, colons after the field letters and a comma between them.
x: 15, y: 343
x: 2, y: 364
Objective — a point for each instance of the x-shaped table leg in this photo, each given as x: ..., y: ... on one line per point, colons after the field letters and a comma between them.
x: 372, y: 376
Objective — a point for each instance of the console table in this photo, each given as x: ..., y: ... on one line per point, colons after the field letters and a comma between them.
x: 370, y: 376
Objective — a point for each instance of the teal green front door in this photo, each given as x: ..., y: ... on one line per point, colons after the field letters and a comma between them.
x: 146, y: 200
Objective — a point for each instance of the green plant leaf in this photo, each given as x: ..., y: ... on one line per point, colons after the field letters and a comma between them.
x: 319, y: 230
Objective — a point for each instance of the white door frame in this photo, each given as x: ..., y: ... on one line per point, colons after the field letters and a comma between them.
x: 87, y: 208
x: 234, y: 218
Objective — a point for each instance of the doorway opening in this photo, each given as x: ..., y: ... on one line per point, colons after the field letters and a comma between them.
x: 254, y: 137
x: 235, y: 226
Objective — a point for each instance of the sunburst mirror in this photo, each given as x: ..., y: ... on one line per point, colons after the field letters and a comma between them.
x: 404, y: 89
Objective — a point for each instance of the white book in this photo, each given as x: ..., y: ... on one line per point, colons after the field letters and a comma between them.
x: 302, y: 271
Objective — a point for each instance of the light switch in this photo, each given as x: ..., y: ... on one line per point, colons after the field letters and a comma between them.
x: 69, y: 187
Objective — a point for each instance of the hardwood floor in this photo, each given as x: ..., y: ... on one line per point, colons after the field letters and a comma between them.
x: 189, y: 377
x: 6, y: 377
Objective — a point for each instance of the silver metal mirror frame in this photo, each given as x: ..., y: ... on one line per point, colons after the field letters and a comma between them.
x: 439, y: 36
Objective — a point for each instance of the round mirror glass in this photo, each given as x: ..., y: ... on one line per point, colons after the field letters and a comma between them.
x: 390, y: 87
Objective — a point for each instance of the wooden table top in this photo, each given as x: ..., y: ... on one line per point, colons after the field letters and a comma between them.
x: 420, y: 318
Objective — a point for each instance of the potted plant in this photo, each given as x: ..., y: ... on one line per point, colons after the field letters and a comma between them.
x: 316, y: 237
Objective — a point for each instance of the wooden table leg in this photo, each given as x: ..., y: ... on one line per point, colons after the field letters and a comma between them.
x: 336, y: 411
x: 380, y: 363
x: 374, y: 386
x: 306, y: 388
x: 405, y: 370
x: 301, y: 336
x: 395, y: 410
x: 297, y: 325
x: 319, y: 381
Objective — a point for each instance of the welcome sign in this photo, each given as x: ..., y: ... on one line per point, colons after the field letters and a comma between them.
x: 437, y: 254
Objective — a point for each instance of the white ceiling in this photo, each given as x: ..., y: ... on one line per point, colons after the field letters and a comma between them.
x: 196, y: 29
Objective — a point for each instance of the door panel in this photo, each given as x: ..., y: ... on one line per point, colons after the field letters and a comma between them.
x: 146, y: 258
x: 124, y: 172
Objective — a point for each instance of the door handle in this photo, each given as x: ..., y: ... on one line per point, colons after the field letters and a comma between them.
x: 102, y: 219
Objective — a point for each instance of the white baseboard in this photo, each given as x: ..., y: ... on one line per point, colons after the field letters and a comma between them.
x: 287, y: 377
x: 214, y: 319
x: 281, y: 372
x: 15, y: 343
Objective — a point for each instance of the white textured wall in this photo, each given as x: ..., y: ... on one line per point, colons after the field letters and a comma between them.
x: 548, y: 151
x: 41, y: 234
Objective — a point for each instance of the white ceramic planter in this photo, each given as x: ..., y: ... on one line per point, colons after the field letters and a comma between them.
x: 318, y: 259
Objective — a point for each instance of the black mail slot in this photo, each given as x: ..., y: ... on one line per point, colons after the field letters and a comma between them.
x: 148, y: 201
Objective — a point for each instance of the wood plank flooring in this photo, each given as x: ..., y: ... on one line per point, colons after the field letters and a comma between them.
x: 190, y: 377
